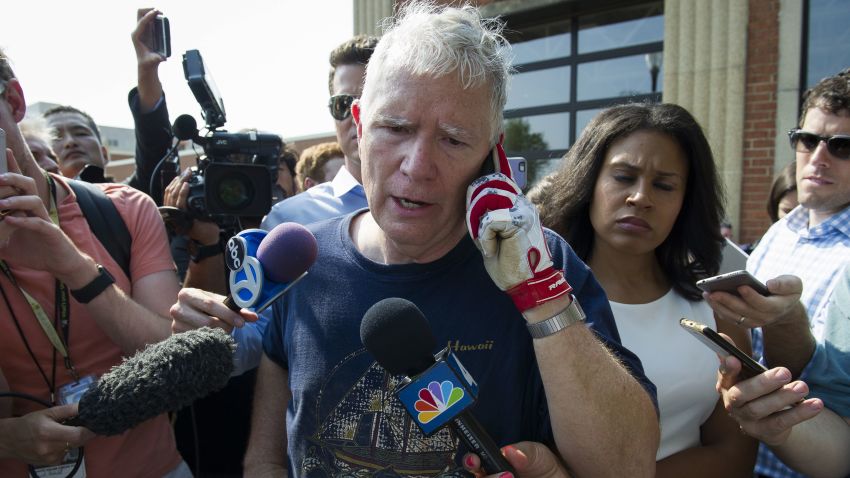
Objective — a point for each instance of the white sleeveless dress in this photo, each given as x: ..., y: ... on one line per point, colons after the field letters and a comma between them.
x: 683, y: 370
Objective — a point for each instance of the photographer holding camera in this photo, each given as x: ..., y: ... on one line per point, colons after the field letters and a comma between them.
x: 330, y: 199
x: 78, y: 143
x: 230, y: 188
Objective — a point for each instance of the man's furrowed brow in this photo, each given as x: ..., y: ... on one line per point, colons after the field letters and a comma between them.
x: 457, y: 132
x: 392, y: 121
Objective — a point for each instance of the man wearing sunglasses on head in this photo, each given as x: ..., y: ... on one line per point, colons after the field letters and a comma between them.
x: 811, y: 242
x: 344, y: 193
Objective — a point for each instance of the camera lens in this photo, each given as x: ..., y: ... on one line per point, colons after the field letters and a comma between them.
x: 235, y: 192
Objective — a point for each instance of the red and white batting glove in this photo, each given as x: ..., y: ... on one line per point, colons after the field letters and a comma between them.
x: 506, y: 228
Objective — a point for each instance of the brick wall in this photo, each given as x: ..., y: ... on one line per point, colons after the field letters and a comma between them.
x: 759, y: 117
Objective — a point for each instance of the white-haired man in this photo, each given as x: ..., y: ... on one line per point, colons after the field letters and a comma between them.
x: 427, y: 122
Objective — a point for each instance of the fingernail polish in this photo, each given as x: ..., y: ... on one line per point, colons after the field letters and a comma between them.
x: 470, y: 463
x: 506, y: 474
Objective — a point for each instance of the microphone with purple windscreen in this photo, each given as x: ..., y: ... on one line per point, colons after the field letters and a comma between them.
x: 264, y: 265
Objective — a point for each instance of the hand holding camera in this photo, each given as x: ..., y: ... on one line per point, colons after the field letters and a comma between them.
x: 152, y: 37
x: 183, y: 223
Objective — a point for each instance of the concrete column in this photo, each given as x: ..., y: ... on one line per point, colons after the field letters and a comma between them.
x: 705, y: 46
x: 368, y: 15
x: 788, y: 78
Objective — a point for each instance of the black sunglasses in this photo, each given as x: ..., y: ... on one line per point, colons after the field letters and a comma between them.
x: 340, y: 106
x: 803, y: 142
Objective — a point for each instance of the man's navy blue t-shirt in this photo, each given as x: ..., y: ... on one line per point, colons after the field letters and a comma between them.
x: 343, y: 418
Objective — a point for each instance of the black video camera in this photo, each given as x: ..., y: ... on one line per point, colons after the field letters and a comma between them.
x: 238, y: 171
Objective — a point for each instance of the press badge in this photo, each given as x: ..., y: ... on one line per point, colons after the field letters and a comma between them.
x: 67, y: 394
x: 72, y: 392
x: 63, y: 469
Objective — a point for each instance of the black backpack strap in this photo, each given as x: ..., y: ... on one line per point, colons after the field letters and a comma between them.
x: 105, y: 222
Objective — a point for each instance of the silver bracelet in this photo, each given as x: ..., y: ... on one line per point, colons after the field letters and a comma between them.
x: 567, y: 317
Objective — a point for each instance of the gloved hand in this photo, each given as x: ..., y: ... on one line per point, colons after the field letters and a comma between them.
x: 506, y: 228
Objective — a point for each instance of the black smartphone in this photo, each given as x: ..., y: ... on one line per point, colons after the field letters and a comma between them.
x: 714, y: 341
x: 731, y: 281
x: 158, y: 38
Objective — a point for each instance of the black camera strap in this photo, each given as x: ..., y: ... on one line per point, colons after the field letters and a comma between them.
x: 105, y: 222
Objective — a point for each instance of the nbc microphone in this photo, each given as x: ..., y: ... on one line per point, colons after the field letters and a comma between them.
x: 264, y: 265
x: 164, y: 377
x: 437, y: 391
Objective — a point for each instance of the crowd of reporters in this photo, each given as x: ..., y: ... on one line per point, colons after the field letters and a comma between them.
x: 637, y: 198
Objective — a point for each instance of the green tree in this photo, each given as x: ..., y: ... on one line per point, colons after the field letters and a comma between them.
x: 518, y: 137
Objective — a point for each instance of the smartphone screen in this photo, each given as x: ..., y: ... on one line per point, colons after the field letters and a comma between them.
x: 731, y: 281
x: 720, y: 346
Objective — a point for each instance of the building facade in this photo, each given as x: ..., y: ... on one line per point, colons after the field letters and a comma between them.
x: 739, y: 66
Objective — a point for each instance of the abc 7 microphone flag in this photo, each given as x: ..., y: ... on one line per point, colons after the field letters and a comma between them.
x: 264, y: 265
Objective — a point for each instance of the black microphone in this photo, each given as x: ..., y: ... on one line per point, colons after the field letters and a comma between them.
x: 438, y: 391
x: 185, y: 127
x: 164, y: 377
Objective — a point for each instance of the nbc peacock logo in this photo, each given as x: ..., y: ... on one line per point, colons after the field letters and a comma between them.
x: 436, y: 399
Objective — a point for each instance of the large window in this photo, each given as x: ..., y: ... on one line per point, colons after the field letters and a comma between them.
x: 569, y: 67
x: 827, y: 39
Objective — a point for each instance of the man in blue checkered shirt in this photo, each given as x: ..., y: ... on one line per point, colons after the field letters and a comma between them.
x: 812, y: 242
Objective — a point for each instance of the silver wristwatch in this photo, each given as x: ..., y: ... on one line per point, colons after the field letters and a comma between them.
x: 569, y: 316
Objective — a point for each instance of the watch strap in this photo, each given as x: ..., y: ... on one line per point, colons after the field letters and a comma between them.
x: 201, y: 252
x: 567, y: 317
x: 88, y: 292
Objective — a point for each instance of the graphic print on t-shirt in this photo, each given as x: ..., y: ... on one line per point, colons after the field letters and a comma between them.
x: 365, y: 431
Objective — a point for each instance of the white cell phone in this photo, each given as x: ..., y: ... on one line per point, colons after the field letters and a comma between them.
x: 519, y: 171
x: 731, y: 281
x: 721, y: 346
x: 4, y: 167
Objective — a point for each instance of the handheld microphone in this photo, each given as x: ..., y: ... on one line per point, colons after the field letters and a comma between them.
x: 437, y: 391
x: 164, y: 377
x: 264, y: 265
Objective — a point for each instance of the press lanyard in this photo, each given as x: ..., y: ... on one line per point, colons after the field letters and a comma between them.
x: 62, y: 312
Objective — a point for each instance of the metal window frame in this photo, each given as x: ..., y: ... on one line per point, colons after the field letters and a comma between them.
x: 574, y: 106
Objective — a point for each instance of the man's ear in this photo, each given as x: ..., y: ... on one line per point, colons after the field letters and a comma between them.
x: 105, y: 153
x: 355, y: 115
x: 15, y: 97
x: 309, y: 183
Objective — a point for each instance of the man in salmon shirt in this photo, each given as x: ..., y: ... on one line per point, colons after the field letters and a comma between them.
x: 68, y: 313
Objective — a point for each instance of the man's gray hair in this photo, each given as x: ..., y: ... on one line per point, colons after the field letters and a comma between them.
x: 36, y: 127
x: 437, y: 40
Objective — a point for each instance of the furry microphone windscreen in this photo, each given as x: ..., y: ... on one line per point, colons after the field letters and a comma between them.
x: 165, y: 376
